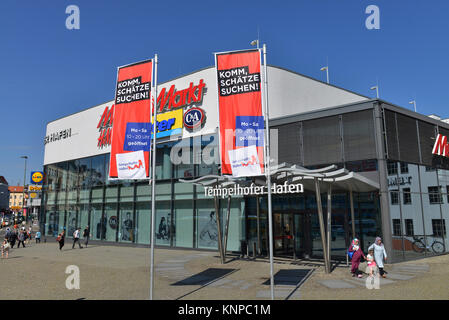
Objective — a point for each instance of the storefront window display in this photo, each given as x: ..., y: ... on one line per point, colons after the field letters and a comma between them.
x: 143, y: 222
x: 127, y: 222
x: 164, y: 229
x: 111, y: 220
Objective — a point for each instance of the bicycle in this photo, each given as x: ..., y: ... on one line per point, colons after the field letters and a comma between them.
x: 419, y: 245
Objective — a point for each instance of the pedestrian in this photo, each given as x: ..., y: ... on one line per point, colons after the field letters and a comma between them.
x: 29, y: 235
x: 38, y: 237
x: 379, y: 255
x: 371, y: 268
x: 76, y: 238
x: 21, y: 238
x: 61, y: 239
x: 5, y: 248
x: 356, y: 257
x: 86, y: 235
x: 13, y: 238
x: 7, y: 234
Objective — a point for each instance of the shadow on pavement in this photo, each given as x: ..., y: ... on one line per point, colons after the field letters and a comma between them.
x: 203, y: 279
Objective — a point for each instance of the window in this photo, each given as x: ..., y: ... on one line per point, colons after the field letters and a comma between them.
x: 429, y: 169
x: 394, y: 197
x: 438, y: 227
x: 397, y: 227
x: 435, y: 195
x: 404, y: 167
x: 409, y: 227
x: 392, y: 168
x: 407, y: 196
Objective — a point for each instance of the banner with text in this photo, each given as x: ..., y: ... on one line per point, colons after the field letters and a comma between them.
x: 240, y: 105
x: 132, y: 115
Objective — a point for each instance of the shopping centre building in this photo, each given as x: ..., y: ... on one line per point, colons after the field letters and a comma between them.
x: 312, y: 125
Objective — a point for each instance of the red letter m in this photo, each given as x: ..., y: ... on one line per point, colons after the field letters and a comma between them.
x: 441, y: 147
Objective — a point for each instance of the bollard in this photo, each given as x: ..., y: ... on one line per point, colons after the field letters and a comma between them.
x: 254, y: 250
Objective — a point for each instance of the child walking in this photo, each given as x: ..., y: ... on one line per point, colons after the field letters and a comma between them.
x: 372, y: 266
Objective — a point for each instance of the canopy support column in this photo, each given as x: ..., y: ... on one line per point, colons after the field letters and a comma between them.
x: 351, y: 199
x: 228, y: 216
x: 220, y: 244
x: 320, y: 217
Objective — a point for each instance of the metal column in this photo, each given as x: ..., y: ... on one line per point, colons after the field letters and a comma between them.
x: 329, y: 225
x: 321, y: 220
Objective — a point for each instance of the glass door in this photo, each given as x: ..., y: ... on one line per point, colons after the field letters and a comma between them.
x: 283, y: 234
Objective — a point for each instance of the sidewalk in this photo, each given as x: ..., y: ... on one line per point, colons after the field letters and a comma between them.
x: 115, y: 272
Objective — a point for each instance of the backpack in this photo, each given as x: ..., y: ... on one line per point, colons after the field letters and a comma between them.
x: 350, y: 253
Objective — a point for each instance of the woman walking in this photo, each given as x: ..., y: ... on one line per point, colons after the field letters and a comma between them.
x: 379, y: 255
x: 357, y: 255
x: 61, y: 239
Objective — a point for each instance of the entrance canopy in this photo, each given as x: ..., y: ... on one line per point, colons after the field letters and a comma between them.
x: 288, y: 178
x: 340, y: 179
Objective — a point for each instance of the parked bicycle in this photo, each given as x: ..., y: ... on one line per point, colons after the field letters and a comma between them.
x: 419, y: 245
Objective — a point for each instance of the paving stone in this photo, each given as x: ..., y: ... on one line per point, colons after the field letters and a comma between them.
x: 336, y: 284
x: 398, y: 276
x: 277, y: 293
x: 409, y: 270
x: 362, y: 281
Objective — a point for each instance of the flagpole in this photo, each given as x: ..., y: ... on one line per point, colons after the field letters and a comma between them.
x: 267, y: 170
x: 153, y: 179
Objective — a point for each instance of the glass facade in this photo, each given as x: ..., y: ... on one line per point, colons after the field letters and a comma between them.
x: 77, y: 193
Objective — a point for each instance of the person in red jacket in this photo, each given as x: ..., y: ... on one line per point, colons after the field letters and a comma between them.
x: 356, y: 257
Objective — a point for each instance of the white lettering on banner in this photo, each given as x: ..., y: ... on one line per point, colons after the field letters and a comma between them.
x: 252, y: 190
x: 131, y: 165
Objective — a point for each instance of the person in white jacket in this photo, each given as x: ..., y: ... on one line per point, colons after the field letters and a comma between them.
x: 379, y: 255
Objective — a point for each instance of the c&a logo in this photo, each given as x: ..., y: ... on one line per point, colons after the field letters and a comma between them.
x: 194, y: 118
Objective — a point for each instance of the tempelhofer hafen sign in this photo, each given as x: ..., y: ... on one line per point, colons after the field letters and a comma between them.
x: 252, y: 190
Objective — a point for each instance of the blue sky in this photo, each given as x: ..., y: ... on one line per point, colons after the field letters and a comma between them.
x: 48, y: 71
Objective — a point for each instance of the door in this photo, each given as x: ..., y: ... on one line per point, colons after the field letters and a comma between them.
x: 283, y: 234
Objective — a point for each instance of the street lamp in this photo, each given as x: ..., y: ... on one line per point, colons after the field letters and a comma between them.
x: 377, y: 90
x: 255, y: 42
x: 414, y: 104
x: 326, y: 68
x: 24, y: 177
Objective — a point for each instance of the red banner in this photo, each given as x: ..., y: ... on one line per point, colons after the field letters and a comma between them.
x: 132, y: 114
x: 239, y: 103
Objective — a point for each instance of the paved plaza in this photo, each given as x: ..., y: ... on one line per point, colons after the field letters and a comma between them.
x: 121, y: 272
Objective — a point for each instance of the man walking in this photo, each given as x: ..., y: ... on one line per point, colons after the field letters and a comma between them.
x: 21, y: 239
x: 76, y: 238
x: 12, y: 238
x: 86, y: 235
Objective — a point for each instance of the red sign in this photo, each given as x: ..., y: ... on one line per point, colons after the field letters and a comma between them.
x: 441, y: 147
x: 180, y: 98
x: 132, y: 106
x: 240, y: 103
x: 105, y: 127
